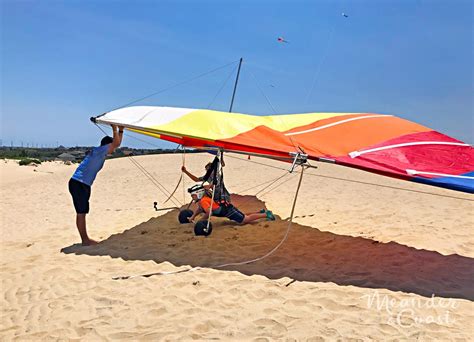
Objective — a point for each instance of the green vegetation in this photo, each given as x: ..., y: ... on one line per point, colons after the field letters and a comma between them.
x: 74, y: 154
x: 28, y: 161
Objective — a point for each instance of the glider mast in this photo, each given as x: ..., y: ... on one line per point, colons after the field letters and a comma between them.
x: 235, y: 85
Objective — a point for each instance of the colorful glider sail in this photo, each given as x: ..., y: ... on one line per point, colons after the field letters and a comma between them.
x: 383, y: 144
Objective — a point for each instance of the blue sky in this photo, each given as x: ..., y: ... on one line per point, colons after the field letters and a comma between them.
x: 64, y: 61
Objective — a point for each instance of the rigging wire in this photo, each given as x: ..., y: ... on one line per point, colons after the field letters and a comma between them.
x: 222, y: 87
x: 129, y: 136
x: 297, y: 148
x: 142, y: 169
x: 141, y: 140
x: 101, y: 128
x: 278, y: 185
x: 175, y: 85
x: 268, y: 186
x: 157, y: 183
x: 170, y: 196
x: 150, y: 176
x: 258, y: 185
x: 358, y: 182
x: 263, y: 93
x: 154, y: 181
x: 391, y: 187
x: 318, y: 69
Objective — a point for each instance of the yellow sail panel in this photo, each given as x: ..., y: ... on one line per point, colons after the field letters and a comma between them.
x: 214, y: 125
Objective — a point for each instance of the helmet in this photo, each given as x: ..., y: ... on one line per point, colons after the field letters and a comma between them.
x: 197, y: 190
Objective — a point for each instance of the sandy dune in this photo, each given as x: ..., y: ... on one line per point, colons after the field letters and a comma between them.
x: 360, y: 262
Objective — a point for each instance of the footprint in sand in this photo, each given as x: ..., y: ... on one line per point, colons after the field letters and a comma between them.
x: 270, y: 326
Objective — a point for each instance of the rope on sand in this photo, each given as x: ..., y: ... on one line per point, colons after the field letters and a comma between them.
x: 192, y: 269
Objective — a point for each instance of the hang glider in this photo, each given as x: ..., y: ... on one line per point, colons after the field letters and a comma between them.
x: 383, y: 144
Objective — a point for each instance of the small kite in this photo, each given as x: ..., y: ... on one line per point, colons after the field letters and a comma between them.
x: 344, y: 15
x: 282, y: 40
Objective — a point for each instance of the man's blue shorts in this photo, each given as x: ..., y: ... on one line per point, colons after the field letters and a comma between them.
x: 231, y: 213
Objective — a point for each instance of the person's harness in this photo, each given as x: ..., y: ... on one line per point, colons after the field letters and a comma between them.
x: 215, y: 175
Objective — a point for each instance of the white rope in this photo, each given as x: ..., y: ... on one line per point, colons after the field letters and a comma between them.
x: 192, y: 269
x: 281, y: 242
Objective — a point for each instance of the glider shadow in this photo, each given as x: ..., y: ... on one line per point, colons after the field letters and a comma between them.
x: 308, y: 255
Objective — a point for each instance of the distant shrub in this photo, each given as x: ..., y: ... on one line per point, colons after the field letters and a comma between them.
x: 28, y: 161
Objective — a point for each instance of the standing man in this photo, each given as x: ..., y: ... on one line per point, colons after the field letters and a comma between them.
x: 81, y: 181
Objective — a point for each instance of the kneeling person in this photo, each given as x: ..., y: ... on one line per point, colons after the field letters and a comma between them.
x: 200, y: 195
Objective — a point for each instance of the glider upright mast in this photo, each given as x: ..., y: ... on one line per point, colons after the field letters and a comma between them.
x: 235, y: 86
x: 220, y: 153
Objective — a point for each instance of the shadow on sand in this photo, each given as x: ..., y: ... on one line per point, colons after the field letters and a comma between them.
x: 308, y: 255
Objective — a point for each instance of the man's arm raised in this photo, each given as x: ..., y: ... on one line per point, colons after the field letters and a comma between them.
x: 118, y: 135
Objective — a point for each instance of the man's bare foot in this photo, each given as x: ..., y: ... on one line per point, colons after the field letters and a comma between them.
x: 89, y: 242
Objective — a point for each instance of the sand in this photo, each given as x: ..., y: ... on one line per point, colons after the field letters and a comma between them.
x: 361, y: 261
